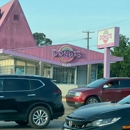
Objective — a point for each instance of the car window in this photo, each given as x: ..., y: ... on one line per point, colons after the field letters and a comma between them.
x: 1, y: 84
x: 125, y: 83
x: 96, y: 83
x: 114, y: 84
x: 35, y: 84
x: 16, y: 84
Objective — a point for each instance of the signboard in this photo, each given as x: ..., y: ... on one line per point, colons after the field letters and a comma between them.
x: 66, y: 54
x: 108, y: 38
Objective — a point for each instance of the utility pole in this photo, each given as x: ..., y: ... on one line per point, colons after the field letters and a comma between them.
x: 88, y: 66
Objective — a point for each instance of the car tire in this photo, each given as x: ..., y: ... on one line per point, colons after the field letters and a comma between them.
x: 39, y: 117
x: 21, y: 122
x: 92, y: 100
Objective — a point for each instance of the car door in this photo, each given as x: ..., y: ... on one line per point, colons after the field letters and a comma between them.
x: 125, y: 87
x: 14, y: 97
x: 112, y: 93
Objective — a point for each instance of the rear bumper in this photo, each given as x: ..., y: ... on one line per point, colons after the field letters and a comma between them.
x: 57, y: 115
x: 58, y: 111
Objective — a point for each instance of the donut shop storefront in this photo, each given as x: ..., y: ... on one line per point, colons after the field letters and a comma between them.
x: 64, y: 63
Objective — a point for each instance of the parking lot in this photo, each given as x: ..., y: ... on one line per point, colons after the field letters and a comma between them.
x: 54, y: 125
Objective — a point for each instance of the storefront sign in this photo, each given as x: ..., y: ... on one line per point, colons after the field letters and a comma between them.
x: 66, y: 65
x: 66, y: 54
x: 108, y: 38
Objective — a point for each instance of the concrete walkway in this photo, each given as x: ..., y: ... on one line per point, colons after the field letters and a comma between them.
x: 63, y: 99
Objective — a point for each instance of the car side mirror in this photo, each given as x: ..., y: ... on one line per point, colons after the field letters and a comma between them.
x: 105, y: 86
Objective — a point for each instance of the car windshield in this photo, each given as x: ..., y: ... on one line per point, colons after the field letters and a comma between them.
x: 125, y: 100
x: 96, y: 83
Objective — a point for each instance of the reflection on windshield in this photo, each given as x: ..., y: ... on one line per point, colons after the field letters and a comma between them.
x: 96, y: 83
x: 125, y: 100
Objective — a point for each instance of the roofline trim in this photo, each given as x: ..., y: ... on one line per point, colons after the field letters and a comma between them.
x: 13, y: 53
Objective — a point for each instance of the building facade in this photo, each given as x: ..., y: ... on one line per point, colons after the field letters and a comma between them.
x: 66, y: 64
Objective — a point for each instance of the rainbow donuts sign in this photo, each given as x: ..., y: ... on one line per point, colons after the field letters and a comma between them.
x: 66, y: 54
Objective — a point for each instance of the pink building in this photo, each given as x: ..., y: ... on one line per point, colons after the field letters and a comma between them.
x: 64, y: 63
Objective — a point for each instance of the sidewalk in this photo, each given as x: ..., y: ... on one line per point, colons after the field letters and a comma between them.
x: 63, y: 99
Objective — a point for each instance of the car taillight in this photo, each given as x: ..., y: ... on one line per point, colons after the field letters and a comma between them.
x: 57, y: 91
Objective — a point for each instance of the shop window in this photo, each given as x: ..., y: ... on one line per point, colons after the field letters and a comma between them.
x: 47, y: 72
x: 6, y: 69
x: 19, y: 70
x: 37, y: 70
x: 30, y: 64
x: 30, y: 70
x: 93, y: 75
x: 20, y: 63
x: 64, y: 75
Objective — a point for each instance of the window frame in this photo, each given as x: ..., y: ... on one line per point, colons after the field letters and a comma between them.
x: 16, y: 78
x: 113, y: 87
x: 38, y: 87
x: 2, y: 84
x: 23, y: 79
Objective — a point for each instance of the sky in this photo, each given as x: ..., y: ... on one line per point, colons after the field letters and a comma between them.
x: 64, y: 21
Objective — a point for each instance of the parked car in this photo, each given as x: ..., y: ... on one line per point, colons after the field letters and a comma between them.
x: 29, y: 99
x: 101, y: 90
x: 100, y: 116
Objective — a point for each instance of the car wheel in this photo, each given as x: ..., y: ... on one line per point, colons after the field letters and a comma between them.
x: 21, y: 122
x: 39, y: 117
x: 92, y: 100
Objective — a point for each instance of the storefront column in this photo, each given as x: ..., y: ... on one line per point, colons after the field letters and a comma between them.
x: 14, y: 66
x: 35, y: 69
x: 88, y: 74
x: 75, y: 76
x: 96, y: 72
x: 51, y: 73
x: 41, y: 68
x: 25, y: 68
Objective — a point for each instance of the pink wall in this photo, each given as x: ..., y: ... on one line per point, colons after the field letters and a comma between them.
x: 45, y: 52
x: 14, y: 34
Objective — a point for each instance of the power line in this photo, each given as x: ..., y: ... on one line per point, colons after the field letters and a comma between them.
x: 73, y: 36
x: 70, y: 36
x: 111, y: 24
x: 73, y: 40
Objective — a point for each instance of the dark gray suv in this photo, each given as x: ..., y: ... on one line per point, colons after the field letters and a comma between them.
x: 32, y: 100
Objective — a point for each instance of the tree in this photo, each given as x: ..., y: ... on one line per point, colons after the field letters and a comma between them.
x: 121, y: 68
x: 41, y: 39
